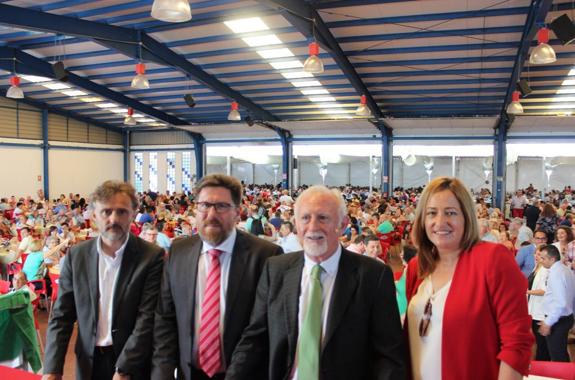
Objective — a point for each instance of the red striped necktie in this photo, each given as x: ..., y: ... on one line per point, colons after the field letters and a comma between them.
x: 209, y: 353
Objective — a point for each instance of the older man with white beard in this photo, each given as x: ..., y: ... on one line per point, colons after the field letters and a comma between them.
x: 323, y: 312
x: 208, y: 288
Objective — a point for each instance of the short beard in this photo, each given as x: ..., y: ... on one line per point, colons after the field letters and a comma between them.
x: 314, y: 249
x: 212, y: 237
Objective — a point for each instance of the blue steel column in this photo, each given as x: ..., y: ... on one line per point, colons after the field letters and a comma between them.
x: 500, y: 163
x: 45, y: 147
x: 286, y: 160
x: 199, y: 151
x: 126, y: 143
x: 386, y: 160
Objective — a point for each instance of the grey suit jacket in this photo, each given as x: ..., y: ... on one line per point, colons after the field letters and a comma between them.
x: 134, y: 302
x: 173, y: 332
x: 363, y: 337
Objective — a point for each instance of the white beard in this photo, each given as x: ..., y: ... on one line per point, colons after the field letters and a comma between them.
x: 315, y: 249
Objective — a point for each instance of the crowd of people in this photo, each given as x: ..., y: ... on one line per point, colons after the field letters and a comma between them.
x: 224, y: 272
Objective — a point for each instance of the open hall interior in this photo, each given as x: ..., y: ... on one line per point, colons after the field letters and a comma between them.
x: 374, y: 94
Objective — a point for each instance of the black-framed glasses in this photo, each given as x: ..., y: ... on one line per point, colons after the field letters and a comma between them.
x: 219, y: 206
x: 425, y: 319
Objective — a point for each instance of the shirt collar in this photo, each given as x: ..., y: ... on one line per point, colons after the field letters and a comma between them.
x: 329, y: 266
x: 119, y: 253
x: 226, y: 246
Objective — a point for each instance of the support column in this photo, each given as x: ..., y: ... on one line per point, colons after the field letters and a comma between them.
x: 200, y: 154
x: 126, y: 146
x: 286, y: 159
x: 45, y: 147
x: 500, y: 154
x: 386, y: 160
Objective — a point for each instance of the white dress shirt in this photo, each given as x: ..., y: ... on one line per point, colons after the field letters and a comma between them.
x: 227, y: 248
x: 290, y: 243
x: 535, y: 304
x: 327, y: 278
x: 560, y: 293
x: 108, y: 269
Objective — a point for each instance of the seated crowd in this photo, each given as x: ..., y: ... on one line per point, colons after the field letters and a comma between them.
x: 536, y: 229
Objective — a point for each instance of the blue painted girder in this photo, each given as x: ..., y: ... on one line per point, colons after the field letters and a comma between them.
x: 126, y: 41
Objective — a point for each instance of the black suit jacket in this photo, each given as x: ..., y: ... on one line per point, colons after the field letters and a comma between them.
x: 174, y: 324
x: 134, y: 301
x: 363, y: 337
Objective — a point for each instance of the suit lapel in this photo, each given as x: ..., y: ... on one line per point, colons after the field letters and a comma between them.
x: 343, y: 290
x: 192, y: 261
x: 93, y: 279
x: 292, y: 282
x: 129, y: 262
x: 237, y: 269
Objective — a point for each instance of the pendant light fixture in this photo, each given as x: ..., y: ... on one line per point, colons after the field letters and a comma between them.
x: 15, y: 92
x: 130, y: 119
x: 140, y: 81
x: 172, y: 10
x: 234, y: 114
x: 515, y: 107
x: 542, y: 53
x: 313, y: 64
x: 363, y: 109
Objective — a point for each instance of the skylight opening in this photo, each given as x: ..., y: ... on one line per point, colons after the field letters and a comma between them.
x: 316, y: 91
x: 246, y: 25
x: 35, y: 78
x: 56, y: 86
x: 322, y: 99
x: 74, y: 93
x: 294, y: 64
x: 309, y: 83
x: 106, y: 105
x: 275, y: 53
x: 268, y: 39
x: 91, y: 99
x: 297, y: 75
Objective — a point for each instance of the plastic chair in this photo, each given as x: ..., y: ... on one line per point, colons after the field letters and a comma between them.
x: 4, y: 286
x: 557, y: 370
x: 54, y: 279
x: 42, y: 291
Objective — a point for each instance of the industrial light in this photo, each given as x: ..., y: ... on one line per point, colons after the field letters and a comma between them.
x: 15, y: 92
x: 234, y: 114
x: 313, y: 64
x: 515, y: 107
x: 542, y: 53
x: 363, y: 109
x: 140, y: 81
x: 171, y: 10
x: 130, y: 120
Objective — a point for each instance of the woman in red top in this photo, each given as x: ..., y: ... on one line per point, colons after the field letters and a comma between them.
x: 467, y: 316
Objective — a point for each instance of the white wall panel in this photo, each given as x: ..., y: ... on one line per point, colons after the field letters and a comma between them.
x: 359, y: 173
x: 20, y: 170
x: 530, y: 170
x: 244, y: 171
x: 80, y: 171
x: 265, y: 174
x: 212, y: 168
x: 470, y: 171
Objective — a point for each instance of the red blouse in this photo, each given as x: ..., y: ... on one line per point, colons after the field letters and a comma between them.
x: 485, y: 318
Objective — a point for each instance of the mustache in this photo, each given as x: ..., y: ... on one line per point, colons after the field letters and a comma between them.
x: 314, y: 235
x: 111, y: 226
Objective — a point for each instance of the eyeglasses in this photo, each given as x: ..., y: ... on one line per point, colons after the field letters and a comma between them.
x: 540, y: 238
x: 219, y: 206
x: 426, y: 319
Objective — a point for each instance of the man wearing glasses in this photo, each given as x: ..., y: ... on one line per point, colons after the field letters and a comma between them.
x: 526, y: 255
x: 208, y: 288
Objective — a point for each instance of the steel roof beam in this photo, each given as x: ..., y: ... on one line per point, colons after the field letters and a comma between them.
x: 306, y: 19
x: 25, y: 63
x: 126, y: 41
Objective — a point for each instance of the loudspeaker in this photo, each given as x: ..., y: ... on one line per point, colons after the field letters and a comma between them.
x: 249, y: 121
x: 523, y: 87
x: 563, y: 28
x: 294, y: 164
x: 59, y: 71
x: 190, y: 100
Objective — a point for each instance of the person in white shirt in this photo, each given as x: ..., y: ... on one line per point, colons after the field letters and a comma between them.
x: 535, y: 304
x: 558, y: 304
x: 288, y: 240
